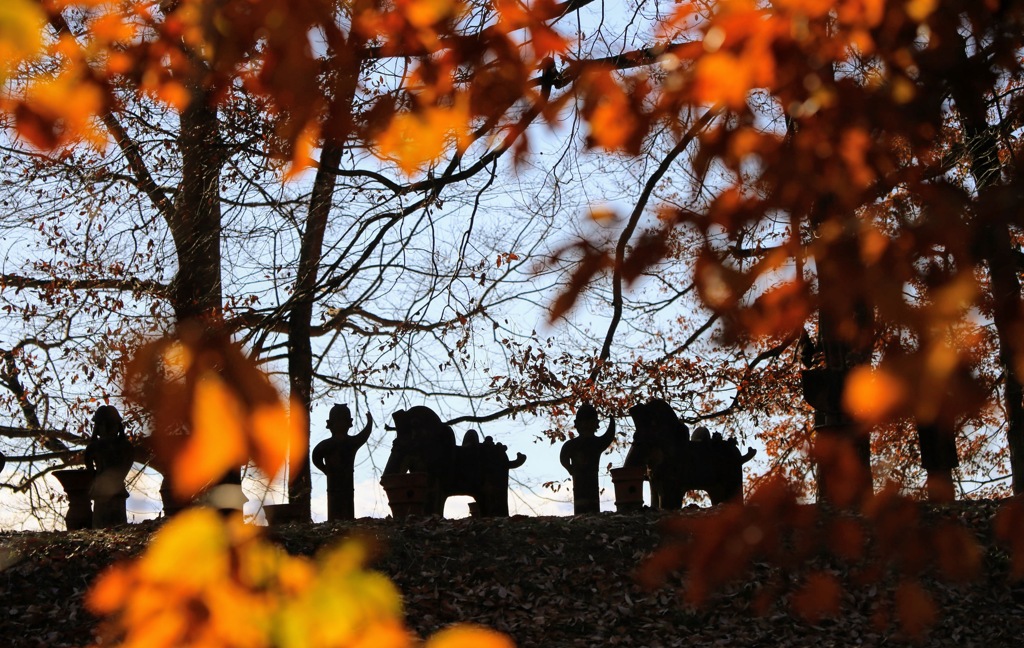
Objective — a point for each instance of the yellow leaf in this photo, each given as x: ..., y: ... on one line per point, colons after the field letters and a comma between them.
x: 467, y: 636
x: 196, y: 539
x: 21, y: 29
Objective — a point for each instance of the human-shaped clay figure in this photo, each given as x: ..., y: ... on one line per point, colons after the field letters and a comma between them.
x: 336, y: 458
x: 109, y: 455
x: 581, y: 456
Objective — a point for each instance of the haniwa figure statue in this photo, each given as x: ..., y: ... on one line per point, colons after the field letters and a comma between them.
x: 581, y: 456
x: 109, y: 455
x: 336, y: 457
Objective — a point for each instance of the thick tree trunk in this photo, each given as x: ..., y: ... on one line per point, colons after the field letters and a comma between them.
x: 996, y: 249
x: 300, y: 354
x: 195, y: 220
x: 195, y: 224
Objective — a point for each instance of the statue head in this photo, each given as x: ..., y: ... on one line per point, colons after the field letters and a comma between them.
x: 107, y: 423
x: 339, y: 420
x: 586, y: 419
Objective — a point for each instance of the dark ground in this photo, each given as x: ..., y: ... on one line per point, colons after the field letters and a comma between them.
x: 547, y: 582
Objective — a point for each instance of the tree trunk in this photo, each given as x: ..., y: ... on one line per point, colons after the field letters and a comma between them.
x: 195, y: 224
x: 195, y: 221
x: 995, y: 247
x: 300, y: 352
x: 336, y: 129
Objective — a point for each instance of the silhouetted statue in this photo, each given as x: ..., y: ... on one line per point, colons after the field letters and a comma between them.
x: 939, y: 458
x: 424, y: 444
x: 581, y: 456
x: 702, y: 434
x: 676, y: 464
x: 336, y: 458
x: 492, y: 491
x: 110, y: 456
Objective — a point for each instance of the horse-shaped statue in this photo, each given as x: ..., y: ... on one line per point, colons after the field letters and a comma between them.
x: 424, y: 444
x: 676, y: 463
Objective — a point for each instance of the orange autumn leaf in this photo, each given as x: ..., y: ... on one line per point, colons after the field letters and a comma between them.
x: 174, y: 95
x: 414, y: 140
x: 957, y: 551
x: 213, y: 409
x: 611, y: 124
x: 424, y: 13
x: 847, y: 539
x: 468, y: 636
x: 723, y: 78
x: 278, y: 435
x: 809, y: 8
x: 111, y: 28
x: 871, y: 395
x: 384, y: 635
x: 217, y: 440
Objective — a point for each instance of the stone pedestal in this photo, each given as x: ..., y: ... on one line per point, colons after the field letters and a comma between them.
x: 408, y: 494
x: 278, y: 514
x: 629, y: 488
x: 77, y: 484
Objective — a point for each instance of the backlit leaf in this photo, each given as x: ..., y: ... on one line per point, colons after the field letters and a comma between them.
x: 21, y: 26
x: 465, y: 636
x: 871, y: 395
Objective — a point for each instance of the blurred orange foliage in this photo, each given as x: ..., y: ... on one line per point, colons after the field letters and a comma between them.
x: 212, y: 408
x: 238, y: 590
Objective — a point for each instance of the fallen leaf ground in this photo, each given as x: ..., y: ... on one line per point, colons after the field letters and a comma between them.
x: 547, y: 582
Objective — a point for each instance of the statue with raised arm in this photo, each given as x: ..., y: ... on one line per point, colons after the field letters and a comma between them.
x: 109, y: 455
x: 336, y: 458
x: 581, y: 456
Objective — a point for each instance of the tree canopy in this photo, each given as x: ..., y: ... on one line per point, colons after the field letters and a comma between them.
x: 364, y: 197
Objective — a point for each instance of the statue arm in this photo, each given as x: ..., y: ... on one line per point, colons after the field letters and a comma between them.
x: 564, y: 457
x: 608, y: 436
x: 364, y: 435
x: 519, y: 460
